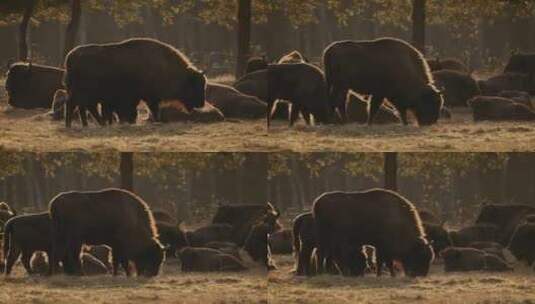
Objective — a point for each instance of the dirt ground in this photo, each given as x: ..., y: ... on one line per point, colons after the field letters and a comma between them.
x: 438, y: 287
x: 31, y: 130
x: 171, y: 287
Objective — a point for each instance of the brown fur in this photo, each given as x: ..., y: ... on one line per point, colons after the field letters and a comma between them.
x: 457, y: 87
x: 210, y: 233
x: 233, y: 103
x: 499, y: 109
x: 481, y: 232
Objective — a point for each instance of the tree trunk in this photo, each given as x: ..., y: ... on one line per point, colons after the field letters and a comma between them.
x: 73, y: 27
x: 23, y: 31
x: 244, y: 35
x: 127, y: 171
x: 418, y: 24
x: 391, y: 171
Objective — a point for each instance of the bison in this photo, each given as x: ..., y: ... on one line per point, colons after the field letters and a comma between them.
x: 438, y: 237
x: 457, y: 87
x: 451, y: 64
x: 31, y: 86
x: 480, y: 232
x: 522, y: 243
x: 24, y: 235
x: 234, y: 104
x: 505, y: 82
x: 383, y: 68
x: 365, y: 218
x: 207, y: 259
x: 114, y: 217
x: 114, y: 75
x: 171, y: 237
x: 174, y: 111
x: 304, y: 242
x: 471, y: 259
x: 487, y: 108
x: 505, y: 217
x: 301, y: 84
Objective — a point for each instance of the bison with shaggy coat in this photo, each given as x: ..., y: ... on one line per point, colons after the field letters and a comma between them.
x: 457, y: 87
x: 31, y: 86
x: 367, y: 218
x: 113, y: 217
x: 385, y: 68
x: 487, y: 108
x: 121, y: 74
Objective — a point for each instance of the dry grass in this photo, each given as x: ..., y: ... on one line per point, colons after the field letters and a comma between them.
x: 171, y: 287
x: 438, y: 287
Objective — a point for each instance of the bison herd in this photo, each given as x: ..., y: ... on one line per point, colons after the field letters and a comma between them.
x: 353, y: 233
x: 98, y: 232
x: 109, y: 81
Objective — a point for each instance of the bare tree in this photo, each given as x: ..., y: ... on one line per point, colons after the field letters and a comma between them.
x: 419, y: 24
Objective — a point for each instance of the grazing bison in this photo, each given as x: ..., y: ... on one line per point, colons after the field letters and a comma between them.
x: 31, y: 86
x: 447, y: 64
x: 471, y: 259
x: 457, y: 87
x: 242, y: 218
x: 207, y: 260
x: 233, y: 104
x: 480, y: 232
x: 521, y: 63
x: 210, y: 233
x: 113, y: 217
x: 24, y: 235
x: 95, y: 73
x: 301, y: 84
x: 280, y: 242
x: 438, y: 237
x: 505, y: 82
x: 365, y: 218
x: 256, y: 64
x: 384, y: 68
x: 505, y: 217
x: 171, y: 237
x: 357, y: 111
x: 499, y: 109
x: 174, y: 111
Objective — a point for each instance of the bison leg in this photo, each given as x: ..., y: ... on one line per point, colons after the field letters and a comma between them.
x: 69, y: 111
x: 294, y: 113
x: 304, y: 260
x: 375, y: 105
x: 154, y: 107
x: 339, y: 99
x: 12, y: 256
x: 25, y: 259
x: 403, y: 115
x: 269, y: 112
x: 96, y: 115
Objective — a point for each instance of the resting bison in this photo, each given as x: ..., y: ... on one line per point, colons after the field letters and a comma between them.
x: 365, y: 218
x: 280, y: 242
x: 225, y: 247
x: 357, y: 111
x: 233, y: 104
x: 113, y: 217
x: 256, y: 64
x: 207, y: 259
x: 438, y: 237
x: 457, y: 87
x: 384, y: 68
x: 481, y: 232
x: 26, y: 234
x: 505, y: 82
x: 499, y: 109
x: 505, y: 217
x: 522, y: 243
x: 210, y: 233
x: 301, y: 84
x: 174, y: 111
x: 471, y: 259
x: 171, y: 237
x: 155, y: 71
x: 242, y: 218
x: 521, y: 63
x: 31, y: 86
x: 518, y: 96
x: 447, y: 64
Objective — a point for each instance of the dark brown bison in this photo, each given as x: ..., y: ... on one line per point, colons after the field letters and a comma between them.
x: 522, y: 243
x: 471, y: 259
x: 438, y: 237
x: 207, y: 260
x: 301, y: 84
x: 481, y: 232
x: 365, y: 218
x: 357, y: 111
x: 24, y: 235
x: 256, y: 64
x: 113, y: 217
x: 280, y: 242
x: 505, y: 82
x: 304, y: 243
x: 452, y: 64
x: 234, y: 104
x: 31, y: 86
x: 174, y: 111
x: 499, y: 109
x: 210, y: 233
x: 384, y: 68
x: 457, y: 87
x: 505, y: 217
x: 171, y: 237
x: 242, y: 218
x: 521, y: 63
x: 96, y: 73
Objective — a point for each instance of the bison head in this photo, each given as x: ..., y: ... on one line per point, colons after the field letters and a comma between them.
x: 417, y: 262
x: 194, y: 91
x: 428, y: 106
x: 149, y: 262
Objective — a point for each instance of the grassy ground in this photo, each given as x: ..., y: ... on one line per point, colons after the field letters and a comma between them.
x: 438, y: 287
x: 171, y: 287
